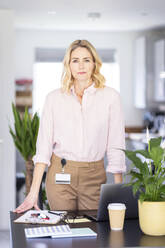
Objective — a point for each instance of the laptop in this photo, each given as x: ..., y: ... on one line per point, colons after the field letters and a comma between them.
x: 114, y: 193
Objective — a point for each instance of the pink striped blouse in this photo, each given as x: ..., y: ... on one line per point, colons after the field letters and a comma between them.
x: 82, y: 132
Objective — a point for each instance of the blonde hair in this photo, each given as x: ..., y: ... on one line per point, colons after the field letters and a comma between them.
x: 67, y: 78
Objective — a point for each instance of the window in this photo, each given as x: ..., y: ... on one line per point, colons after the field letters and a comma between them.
x: 48, y: 70
x: 47, y: 77
x: 111, y: 73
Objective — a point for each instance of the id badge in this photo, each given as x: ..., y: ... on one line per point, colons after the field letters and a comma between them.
x: 62, y: 178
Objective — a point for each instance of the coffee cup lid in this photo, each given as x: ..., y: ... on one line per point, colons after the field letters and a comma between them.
x: 116, y: 206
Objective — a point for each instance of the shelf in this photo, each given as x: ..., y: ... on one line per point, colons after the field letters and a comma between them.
x: 24, y: 101
x: 27, y: 93
x: 23, y: 98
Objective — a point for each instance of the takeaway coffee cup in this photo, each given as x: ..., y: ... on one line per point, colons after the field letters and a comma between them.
x: 116, y: 215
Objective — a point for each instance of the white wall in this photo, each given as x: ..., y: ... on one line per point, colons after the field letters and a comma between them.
x: 27, y: 41
x: 7, y: 150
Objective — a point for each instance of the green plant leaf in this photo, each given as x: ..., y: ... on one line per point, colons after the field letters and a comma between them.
x: 144, y: 153
x: 17, y: 120
x: 35, y: 128
x: 161, y: 189
x: 156, y: 154
x: 162, y: 172
x: 136, y: 186
x: 155, y: 142
x: 160, y: 181
x: 17, y: 144
x: 12, y: 133
x: 135, y: 175
x: 25, y: 119
x: 127, y: 184
x: 132, y: 156
x: 142, y: 197
x: 150, y: 179
x: 145, y: 169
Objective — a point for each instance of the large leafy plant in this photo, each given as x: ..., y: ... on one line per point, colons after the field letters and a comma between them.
x: 25, y: 133
x: 24, y: 136
x: 148, y: 171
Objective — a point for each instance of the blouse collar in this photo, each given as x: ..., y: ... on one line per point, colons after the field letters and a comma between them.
x: 91, y: 89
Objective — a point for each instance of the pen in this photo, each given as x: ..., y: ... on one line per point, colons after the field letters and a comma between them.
x: 54, y: 213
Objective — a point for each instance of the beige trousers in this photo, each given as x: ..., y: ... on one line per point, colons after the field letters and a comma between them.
x: 84, y: 190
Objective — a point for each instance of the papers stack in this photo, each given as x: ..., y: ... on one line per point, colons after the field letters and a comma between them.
x: 30, y: 217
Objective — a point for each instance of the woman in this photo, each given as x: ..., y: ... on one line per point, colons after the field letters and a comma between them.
x: 80, y: 123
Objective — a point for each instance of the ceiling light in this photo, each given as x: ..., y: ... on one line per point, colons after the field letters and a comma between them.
x: 144, y: 13
x: 94, y: 15
x: 51, y: 12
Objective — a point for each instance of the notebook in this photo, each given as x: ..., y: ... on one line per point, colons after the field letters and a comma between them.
x: 114, y: 193
x: 78, y: 232
x: 60, y: 231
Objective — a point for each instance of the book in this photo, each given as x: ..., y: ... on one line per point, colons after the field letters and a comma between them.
x: 46, y: 231
x: 77, y: 232
x: 40, y: 217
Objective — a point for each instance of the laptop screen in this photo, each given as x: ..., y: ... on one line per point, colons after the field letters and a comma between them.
x: 117, y: 193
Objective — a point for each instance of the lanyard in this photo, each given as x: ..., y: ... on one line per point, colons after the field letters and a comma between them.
x: 63, y: 163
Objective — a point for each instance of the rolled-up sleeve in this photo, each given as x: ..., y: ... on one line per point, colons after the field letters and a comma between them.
x: 116, y: 137
x: 44, y: 146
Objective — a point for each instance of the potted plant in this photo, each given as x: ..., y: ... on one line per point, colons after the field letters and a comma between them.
x: 148, y: 178
x: 25, y: 136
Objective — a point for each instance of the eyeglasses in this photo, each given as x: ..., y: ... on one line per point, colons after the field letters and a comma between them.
x: 68, y: 218
x: 72, y: 218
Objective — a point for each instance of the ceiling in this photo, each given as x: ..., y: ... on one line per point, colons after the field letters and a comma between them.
x: 115, y: 15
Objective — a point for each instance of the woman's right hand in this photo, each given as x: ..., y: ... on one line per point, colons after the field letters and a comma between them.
x: 29, y: 202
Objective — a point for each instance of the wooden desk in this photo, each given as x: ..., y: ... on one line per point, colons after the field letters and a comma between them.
x: 131, y: 236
